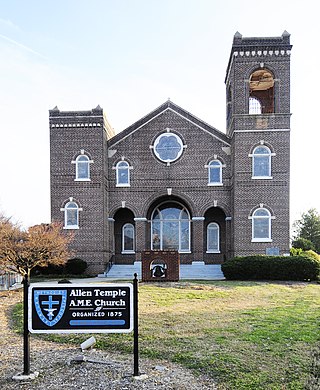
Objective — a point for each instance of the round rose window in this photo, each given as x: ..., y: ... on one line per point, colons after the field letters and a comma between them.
x: 168, y: 147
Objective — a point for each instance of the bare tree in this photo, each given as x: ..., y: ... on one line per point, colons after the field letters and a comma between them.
x: 22, y: 250
x: 40, y: 245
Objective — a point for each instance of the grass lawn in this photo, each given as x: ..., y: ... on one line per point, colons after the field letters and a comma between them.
x: 245, y: 335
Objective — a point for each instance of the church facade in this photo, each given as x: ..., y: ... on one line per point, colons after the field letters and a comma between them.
x: 172, y: 181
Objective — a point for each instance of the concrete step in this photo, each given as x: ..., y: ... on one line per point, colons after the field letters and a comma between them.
x: 118, y: 271
x: 198, y: 270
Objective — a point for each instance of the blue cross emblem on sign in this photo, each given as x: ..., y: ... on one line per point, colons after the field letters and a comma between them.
x: 50, y: 305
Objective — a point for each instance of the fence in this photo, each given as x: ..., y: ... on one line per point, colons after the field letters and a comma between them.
x: 9, y: 280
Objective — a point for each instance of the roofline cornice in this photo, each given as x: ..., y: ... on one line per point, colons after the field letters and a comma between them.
x: 169, y: 106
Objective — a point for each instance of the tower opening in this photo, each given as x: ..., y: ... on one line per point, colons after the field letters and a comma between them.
x: 261, y: 96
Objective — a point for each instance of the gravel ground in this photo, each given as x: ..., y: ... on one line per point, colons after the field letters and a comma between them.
x: 57, y: 369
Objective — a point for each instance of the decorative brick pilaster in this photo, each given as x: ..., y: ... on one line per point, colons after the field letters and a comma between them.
x: 141, y: 232
x: 198, y: 239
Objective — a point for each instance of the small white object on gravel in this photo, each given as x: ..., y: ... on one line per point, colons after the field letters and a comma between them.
x: 56, y: 372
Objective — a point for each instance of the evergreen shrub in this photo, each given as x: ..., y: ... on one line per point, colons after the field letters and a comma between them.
x: 75, y: 266
x: 260, y: 267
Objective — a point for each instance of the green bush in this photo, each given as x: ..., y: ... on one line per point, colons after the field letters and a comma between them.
x: 49, y: 270
x: 295, y: 251
x: 312, y: 254
x: 75, y: 266
x: 260, y: 267
x: 303, y: 243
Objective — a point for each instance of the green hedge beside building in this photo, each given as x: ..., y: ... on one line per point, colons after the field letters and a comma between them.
x: 259, y: 267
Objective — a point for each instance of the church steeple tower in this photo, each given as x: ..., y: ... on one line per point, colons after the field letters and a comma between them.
x: 258, y: 83
x: 258, y: 123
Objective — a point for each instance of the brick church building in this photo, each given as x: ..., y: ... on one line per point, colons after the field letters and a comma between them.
x: 172, y: 181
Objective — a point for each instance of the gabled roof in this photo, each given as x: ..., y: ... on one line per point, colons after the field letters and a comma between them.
x: 169, y: 105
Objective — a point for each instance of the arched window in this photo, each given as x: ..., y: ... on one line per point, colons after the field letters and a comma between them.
x: 254, y: 106
x: 261, y: 83
x: 170, y: 228
x: 261, y: 162
x: 213, y: 238
x: 261, y: 225
x: 215, y: 172
x: 123, y: 174
x: 71, y: 215
x: 82, y: 167
x: 128, y: 238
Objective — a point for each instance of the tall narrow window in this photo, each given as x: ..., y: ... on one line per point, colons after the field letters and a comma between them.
x: 128, y: 238
x: 213, y: 238
x: 71, y: 216
x: 261, y: 225
x: 123, y: 174
x: 82, y: 167
x: 215, y: 173
x: 261, y: 162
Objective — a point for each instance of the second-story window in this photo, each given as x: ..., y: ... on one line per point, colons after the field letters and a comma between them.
x: 214, y: 173
x: 82, y: 163
x: 123, y: 174
x: 261, y: 162
x: 82, y: 168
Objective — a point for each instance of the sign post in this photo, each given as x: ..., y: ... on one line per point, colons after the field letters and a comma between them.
x: 26, y: 333
x: 135, y: 328
x: 82, y: 308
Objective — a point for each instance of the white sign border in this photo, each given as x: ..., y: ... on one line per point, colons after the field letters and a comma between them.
x: 78, y: 285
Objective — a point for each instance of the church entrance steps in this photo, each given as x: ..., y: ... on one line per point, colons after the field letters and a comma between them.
x: 198, y: 270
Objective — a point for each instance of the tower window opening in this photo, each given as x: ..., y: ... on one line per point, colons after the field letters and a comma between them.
x: 261, y: 92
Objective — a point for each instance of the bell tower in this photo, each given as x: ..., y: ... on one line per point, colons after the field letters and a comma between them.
x: 258, y: 123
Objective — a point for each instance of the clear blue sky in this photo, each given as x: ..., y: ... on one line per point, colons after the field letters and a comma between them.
x: 129, y: 56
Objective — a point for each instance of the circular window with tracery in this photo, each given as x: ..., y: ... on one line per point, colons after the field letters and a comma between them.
x: 168, y: 147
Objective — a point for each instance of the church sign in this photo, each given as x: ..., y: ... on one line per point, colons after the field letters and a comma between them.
x: 81, y: 308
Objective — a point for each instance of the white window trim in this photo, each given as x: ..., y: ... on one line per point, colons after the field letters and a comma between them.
x: 82, y: 179
x: 261, y: 177
x: 71, y: 227
x: 261, y: 240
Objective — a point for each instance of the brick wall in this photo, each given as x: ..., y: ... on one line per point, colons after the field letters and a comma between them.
x: 169, y: 262
x: 106, y: 207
